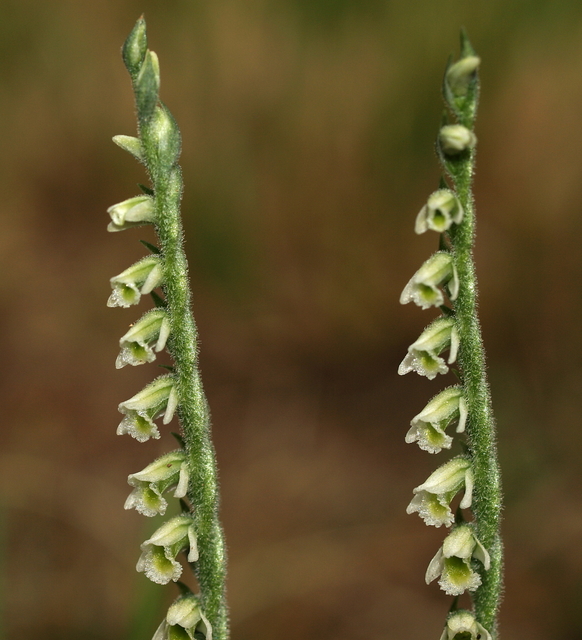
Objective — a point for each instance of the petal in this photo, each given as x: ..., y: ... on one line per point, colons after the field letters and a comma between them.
x: 193, y: 542
x: 420, y: 225
x: 172, y: 405
x: 462, y: 415
x: 482, y: 554
x: 459, y: 543
x: 435, y: 567
x: 164, y: 334
x: 449, y: 477
x: 183, y: 481
x: 160, y: 469
x: 467, y: 500
x: 170, y: 533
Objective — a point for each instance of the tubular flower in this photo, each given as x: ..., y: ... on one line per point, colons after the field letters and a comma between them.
x: 452, y: 562
x: 423, y: 355
x: 462, y: 624
x: 139, y: 279
x: 158, y: 557
x: 153, y: 326
x: 150, y: 483
x: 422, y: 288
x: 428, y: 427
x: 440, y: 211
x: 131, y: 213
x: 183, y: 620
x: 157, y: 398
x: 432, y: 498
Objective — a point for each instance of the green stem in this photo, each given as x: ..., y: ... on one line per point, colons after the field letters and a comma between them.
x: 481, y: 425
x: 193, y: 409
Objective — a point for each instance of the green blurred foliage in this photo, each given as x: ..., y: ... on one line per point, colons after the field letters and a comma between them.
x: 308, y: 129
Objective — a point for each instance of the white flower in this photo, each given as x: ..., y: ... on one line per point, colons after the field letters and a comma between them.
x: 158, y: 398
x: 150, y: 483
x: 460, y: 74
x: 432, y: 498
x: 423, y: 355
x: 139, y: 279
x: 185, y: 612
x: 452, y: 562
x: 428, y: 427
x: 132, y: 212
x: 158, y: 557
x: 422, y: 288
x: 153, y: 326
x: 455, y: 138
x: 462, y: 624
x: 440, y: 211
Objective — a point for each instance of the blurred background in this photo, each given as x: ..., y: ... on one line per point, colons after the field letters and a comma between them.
x: 308, y: 130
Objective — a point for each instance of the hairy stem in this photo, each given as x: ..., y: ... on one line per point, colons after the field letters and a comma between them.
x: 481, y: 425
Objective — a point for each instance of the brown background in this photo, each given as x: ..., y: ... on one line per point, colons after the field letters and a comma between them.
x: 308, y: 128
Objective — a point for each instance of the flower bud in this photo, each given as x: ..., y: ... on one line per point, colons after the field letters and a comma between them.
x: 131, y: 145
x: 147, y: 86
x: 135, y: 47
x: 423, y: 289
x: 432, y: 498
x: 428, y: 427
x: 158, y: 558
x: 165, y: 135
x: 462, y: 624
x: 133, y: 212
x: 153, y: 326
x: 455, y: 138
x: 452, y: 562
x: 423, y: 355
x: 460, y: 75
x: 141, y: 278
x: 441, y: 210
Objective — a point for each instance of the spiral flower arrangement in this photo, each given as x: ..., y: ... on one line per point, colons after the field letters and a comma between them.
x: 189, y: 472
x: 470, y: 558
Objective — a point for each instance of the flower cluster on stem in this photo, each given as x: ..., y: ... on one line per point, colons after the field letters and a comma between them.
x: 190, y: 471
x: 470, y: 559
